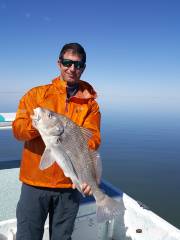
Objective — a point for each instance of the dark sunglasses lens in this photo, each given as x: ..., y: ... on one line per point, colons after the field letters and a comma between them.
x: 68, y: 63
x: 78, y: 64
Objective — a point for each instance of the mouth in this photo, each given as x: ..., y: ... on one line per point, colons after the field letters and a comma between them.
x: 71, y: 76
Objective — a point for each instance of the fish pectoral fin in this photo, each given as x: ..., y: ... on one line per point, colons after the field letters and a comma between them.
x: 87, y: 134
x: 46, y: 160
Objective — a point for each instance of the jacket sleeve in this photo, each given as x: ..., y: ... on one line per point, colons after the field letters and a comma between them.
x: 22, y: 125
x: 92, y: 122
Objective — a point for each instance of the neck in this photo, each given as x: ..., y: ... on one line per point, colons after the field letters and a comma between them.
x: 72, y: 89
x: 72, y: 84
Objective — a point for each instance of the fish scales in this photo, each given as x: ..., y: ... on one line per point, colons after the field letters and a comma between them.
x: 76, y: 146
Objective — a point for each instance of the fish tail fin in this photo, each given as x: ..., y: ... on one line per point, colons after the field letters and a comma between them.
x: 107, y: 209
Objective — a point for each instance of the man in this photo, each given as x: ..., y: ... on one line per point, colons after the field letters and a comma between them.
x: 49, y: 191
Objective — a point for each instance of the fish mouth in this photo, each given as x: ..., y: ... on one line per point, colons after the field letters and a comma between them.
x: 36, y: 115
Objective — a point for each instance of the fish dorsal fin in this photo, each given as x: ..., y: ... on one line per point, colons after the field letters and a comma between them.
x: 87, y: 134
x: 97, y: 164
x: 46, y: 160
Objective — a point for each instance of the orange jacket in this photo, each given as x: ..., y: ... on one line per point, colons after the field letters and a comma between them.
x: 81, y: 108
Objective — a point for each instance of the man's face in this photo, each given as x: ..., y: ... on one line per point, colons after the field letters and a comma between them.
x: 70, y: 72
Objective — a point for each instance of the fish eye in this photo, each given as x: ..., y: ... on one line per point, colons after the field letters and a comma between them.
x: 49, y: 115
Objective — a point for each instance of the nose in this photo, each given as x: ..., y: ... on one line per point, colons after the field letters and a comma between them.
x: 72, y: 68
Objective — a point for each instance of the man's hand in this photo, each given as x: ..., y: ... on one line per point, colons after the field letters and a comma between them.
x: 85, y: 188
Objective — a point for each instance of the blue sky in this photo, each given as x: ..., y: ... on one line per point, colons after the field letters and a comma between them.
x: 133, y: 47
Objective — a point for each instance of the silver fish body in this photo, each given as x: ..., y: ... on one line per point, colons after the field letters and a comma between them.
x: 66, y: 143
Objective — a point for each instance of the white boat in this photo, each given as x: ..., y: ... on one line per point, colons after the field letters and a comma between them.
x: 6, y: 120
x: 134, y: 223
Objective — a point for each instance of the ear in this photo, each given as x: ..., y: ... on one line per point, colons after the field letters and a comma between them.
x: 59, y: 64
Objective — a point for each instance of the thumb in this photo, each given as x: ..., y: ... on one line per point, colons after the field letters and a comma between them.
x: 73, y: 186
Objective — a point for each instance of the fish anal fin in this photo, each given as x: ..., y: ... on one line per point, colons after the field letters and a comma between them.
x: 46, y: 160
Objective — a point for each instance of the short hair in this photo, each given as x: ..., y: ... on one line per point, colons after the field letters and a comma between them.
x: 76, y: 49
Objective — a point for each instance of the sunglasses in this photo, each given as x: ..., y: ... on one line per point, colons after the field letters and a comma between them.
x: 68, y: 63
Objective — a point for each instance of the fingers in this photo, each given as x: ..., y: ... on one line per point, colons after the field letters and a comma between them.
x: 73, y: 186
x: 86, y: 189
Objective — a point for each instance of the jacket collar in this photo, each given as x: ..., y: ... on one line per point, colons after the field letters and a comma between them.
x: 85, y: 91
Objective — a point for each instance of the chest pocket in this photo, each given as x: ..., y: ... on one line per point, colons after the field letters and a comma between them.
x: 79, y: 113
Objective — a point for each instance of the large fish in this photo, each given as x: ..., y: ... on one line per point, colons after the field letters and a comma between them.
x: 66, y: 143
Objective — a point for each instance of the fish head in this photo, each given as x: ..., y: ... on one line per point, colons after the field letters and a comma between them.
x: 47, y: 121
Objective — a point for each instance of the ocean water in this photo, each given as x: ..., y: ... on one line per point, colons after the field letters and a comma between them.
x: 140, y: 154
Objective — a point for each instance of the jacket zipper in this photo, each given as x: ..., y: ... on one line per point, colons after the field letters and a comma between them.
x: 66, y: 106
